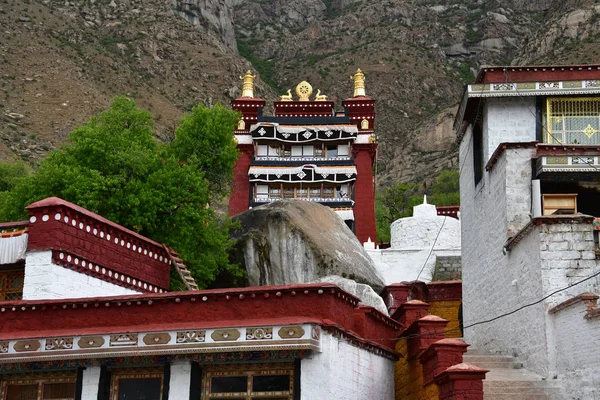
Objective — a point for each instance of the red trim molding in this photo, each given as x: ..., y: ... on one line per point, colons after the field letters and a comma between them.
x: 324, y: 304
x: 566, y: 150
x: 73, y: 262
x: 589, y: 299
x: 502, y: 147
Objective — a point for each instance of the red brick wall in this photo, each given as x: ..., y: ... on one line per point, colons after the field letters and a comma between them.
x: 55, y: 224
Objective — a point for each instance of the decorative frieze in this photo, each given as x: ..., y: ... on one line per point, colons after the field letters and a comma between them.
x: 533, y: 88
x: 126, y: 339
x: 170, y: 342
x: 191, y: 336
x: 59, y: 344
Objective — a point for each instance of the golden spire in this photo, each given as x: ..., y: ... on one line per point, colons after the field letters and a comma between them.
x: 248, y: 86
x: 359, y: 84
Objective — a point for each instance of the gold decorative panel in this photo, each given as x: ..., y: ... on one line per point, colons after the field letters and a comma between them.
x: 557, y: 160
x: 90, y: 342
x: 291, y: 332
x: 27, y: 345
x: 572, y: 120
x: 157, y: 338
x: 225, y: 335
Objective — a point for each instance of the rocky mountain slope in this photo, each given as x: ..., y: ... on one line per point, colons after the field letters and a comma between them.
x: 61, y: 61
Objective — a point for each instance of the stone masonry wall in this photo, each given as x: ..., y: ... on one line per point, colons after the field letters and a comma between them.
x: 345, y: 372
x: 577, y: 351
x: 567, y: 256
x: 447, y: 268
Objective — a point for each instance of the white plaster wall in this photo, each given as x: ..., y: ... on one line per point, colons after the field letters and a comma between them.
x: 89, y: 383
x: 180, y: 381
x: 420, y: 233
x: 44, y: 280
x: 508, y: 119
x: 404, y: 265
x: 345, y: 372
x: 578, y: 353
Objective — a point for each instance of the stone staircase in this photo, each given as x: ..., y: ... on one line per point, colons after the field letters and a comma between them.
x: 508, y: 380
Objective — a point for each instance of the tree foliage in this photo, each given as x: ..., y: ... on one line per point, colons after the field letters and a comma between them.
x: 397, y: 200
x: 113, y: 166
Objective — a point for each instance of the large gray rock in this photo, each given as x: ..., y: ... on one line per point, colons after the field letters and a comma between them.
x: 365, y: 293
x: 292, y: 241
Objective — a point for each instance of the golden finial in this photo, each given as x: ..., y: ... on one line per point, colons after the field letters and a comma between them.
x: 248, y: 86
x: 359, y: 83
x: 304, y: 90
x: 319, y: 96
x: 286, y: 97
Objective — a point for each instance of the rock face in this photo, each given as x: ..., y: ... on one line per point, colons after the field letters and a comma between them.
x: 365, y: 293
x: 292, y: 241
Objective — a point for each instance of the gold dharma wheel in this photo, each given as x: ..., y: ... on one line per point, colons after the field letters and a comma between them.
x: 304, y: 90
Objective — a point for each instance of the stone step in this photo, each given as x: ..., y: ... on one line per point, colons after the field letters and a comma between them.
x: 492, y: 362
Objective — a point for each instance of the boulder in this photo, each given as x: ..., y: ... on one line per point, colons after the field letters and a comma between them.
x: 293, y: 241
x: 365, y: 293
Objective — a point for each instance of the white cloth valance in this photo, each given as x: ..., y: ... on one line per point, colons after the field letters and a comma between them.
x: 297, y: 170
x: 302, y: 128
x: 12, y: 249
x: 345, y: 214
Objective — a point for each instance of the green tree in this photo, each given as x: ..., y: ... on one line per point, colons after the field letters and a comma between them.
x: 204, y: 139
x: 395, y: 201
x: 113, y: 166
x: 446, y: 189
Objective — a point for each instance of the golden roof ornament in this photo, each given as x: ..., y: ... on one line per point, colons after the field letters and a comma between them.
x: 304, y: 90
x: 319, y: 96
x: 286, y: 97
x: 248, y: 85
x: 359, y: 84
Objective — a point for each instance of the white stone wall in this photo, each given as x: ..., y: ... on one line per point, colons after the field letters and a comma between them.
x: 45, y: 280
x: 495, y: 283
x: 567, y: 256
x: 345, y: 372
x: 90, y: 383
x: 508, y: 120
x: 577, y: 351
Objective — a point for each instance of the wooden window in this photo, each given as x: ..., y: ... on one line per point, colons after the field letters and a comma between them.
x: 343, y: 150
x: 249, y: 382
x: 262, y: 191
x: 262, y: 150
x: 50, y: 386
x: 11, y: 284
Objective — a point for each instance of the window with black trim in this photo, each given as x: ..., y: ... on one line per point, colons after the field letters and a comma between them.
x: 478, y: 151
x: 137, y: 384
x: 249, y: 382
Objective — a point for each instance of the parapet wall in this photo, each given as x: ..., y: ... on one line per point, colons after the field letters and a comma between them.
x: 88, y: 243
